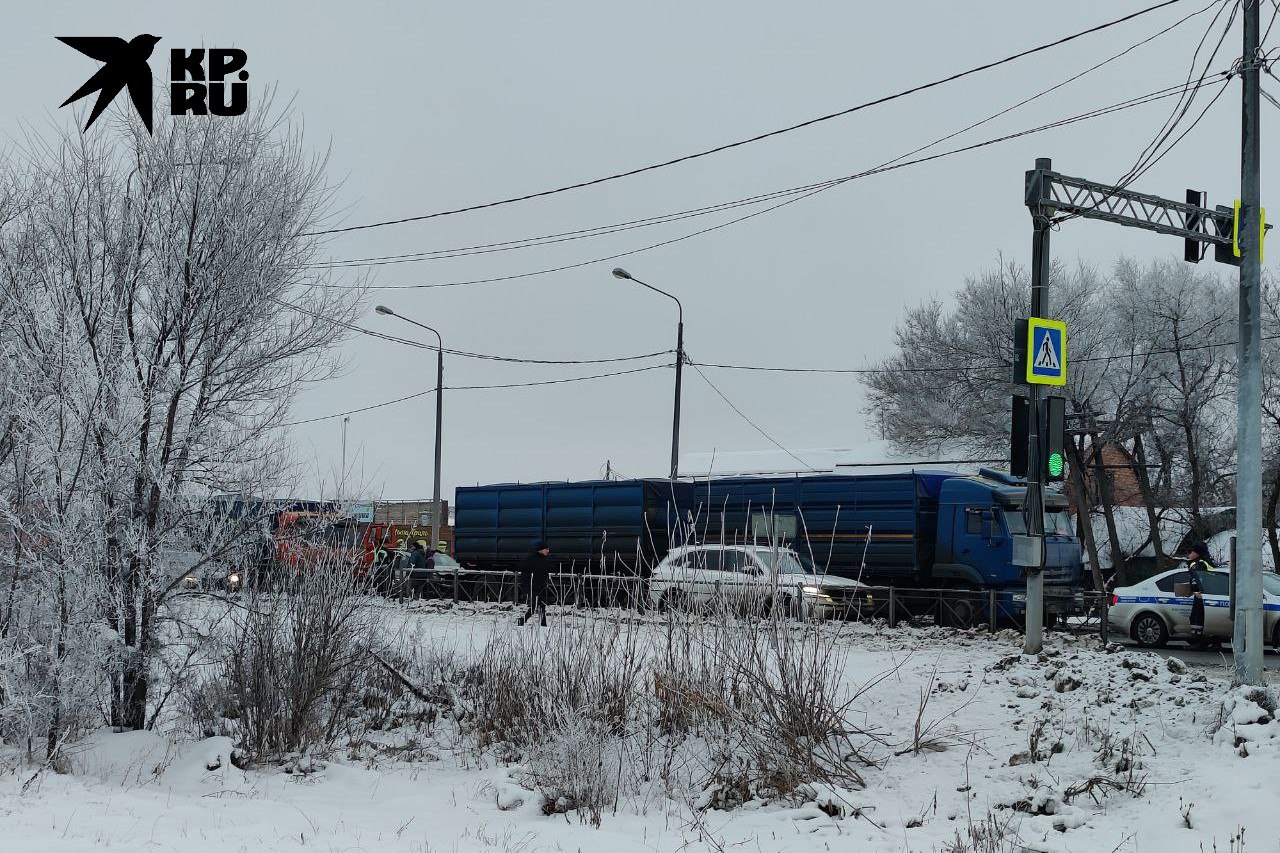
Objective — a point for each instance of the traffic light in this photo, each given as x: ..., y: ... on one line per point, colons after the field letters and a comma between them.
x: 1018, y: 436
x: 1053, y: 439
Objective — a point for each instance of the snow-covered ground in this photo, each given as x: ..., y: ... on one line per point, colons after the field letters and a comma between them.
x: 1078, y: 749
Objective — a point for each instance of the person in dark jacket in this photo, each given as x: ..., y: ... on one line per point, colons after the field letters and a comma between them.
x: 1198, y: 561
x: 535, y: 571
x: 419, y: 563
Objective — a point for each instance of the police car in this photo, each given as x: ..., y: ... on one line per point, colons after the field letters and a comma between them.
x: 1152, y: 612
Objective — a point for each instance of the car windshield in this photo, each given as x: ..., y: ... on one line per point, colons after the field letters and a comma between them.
x: 787, y: 562
x: 444, y: 561
x: 1056, y: 522
x: 1271, y: 583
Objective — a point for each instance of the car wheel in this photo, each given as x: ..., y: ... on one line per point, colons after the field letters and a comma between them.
x: 1275, y: 637
x: 786, y: 606
x: 1149, y: 630
x: 673, y: 599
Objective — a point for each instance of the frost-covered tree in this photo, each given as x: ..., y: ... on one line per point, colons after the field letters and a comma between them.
x: 949, y: 380
x: 159, y: 314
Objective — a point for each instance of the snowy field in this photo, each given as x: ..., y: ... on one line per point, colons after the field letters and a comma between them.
x: 969, y: 746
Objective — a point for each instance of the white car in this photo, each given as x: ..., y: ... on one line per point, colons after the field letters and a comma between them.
x: 1152, y: 613
x: 749, y: 578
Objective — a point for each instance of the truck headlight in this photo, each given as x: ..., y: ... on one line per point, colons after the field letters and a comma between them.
x: 815, y: 592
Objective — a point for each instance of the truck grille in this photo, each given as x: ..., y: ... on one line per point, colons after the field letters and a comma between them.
x: 1058, y: 574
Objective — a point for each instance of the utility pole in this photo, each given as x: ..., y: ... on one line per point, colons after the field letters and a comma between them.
x: 342, y: 479
x: 675, y: 426
x: 1247, y: 630
x: 623, y: 275
x: 1033, y: 639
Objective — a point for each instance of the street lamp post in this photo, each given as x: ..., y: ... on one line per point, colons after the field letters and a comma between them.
x: 620, y: 273
x: 436, y: 509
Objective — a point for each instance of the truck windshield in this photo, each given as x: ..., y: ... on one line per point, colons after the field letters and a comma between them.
x: 787, y: 562
x: 1056, y: 522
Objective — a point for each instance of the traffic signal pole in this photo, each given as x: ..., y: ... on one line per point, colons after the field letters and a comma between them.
x: 1247, y: 636
x: 1236, y: 235
x: 1033, y: 639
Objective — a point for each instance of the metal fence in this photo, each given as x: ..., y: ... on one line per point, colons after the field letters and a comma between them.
x: 1080, y: 612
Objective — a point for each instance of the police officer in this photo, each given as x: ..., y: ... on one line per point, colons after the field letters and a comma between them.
x: 1198, y: 561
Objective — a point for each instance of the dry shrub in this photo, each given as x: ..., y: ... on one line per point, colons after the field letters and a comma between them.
x: 294, y: 668
x: 714, y: 710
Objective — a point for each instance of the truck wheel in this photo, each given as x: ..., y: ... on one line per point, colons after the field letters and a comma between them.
x: 1149, y: 630
x: 959, y: 611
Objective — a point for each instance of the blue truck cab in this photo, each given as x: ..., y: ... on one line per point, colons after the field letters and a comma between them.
x: 921, y: 529
x: 977, y: 517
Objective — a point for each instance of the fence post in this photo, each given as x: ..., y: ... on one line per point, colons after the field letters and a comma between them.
x: 893, y: 607
x: 993, y: 613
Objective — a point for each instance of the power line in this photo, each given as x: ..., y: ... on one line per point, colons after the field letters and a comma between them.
x: 696, y: 365
x: 417, y: 394
x: 759, y: 137
x: 665, y: 218
x: 752, y: 423
x: 463, y: 353
x: 412, y: 396
x: 804, y: 192
x: 964, y: 368
x: 1151, y: 154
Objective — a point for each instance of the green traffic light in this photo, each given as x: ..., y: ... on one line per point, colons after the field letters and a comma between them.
x: 1055, y: 464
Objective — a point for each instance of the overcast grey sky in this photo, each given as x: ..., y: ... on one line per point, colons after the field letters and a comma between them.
x: 429, y: 106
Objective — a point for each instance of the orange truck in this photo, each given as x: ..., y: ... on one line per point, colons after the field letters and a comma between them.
x: 307, y: 538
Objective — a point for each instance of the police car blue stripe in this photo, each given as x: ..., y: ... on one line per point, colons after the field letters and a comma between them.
x: 1162, y: 599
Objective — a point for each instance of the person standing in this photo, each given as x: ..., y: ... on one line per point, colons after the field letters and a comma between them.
x: 535, y: 571
x: 1198, y: 561
x: 419, y: 563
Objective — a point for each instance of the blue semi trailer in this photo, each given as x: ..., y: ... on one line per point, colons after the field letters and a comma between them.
x: 620, y: 527
x: 921, y: 529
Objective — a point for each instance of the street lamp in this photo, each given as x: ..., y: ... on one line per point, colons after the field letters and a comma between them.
x: 620, y: 273
x: 436, y: 511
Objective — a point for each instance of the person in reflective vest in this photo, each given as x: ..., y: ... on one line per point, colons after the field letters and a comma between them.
x: 1198, y: 561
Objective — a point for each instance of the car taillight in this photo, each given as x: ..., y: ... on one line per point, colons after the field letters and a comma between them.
x: 1115, y: 599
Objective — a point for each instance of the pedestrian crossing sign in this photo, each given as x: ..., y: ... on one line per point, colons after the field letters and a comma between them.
x: 1046, y: 352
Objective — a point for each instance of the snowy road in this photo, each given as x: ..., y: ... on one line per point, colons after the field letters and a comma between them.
x: 1220, y: 658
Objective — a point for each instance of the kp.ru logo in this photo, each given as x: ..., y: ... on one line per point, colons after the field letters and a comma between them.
x: 193, y: 90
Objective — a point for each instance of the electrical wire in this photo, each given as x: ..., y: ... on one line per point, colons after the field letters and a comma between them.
x: 806, y: 191
x: 965, y: 368
x: 662, y: 219
x: 463, y: 353
x: 697, y: 365
x: 759, y: 137
x: 750, y: 422
x: 1152, y: 154
x: 423, y: 393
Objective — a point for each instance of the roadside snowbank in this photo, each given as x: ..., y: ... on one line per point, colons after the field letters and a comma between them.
x: 1080, y: 748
